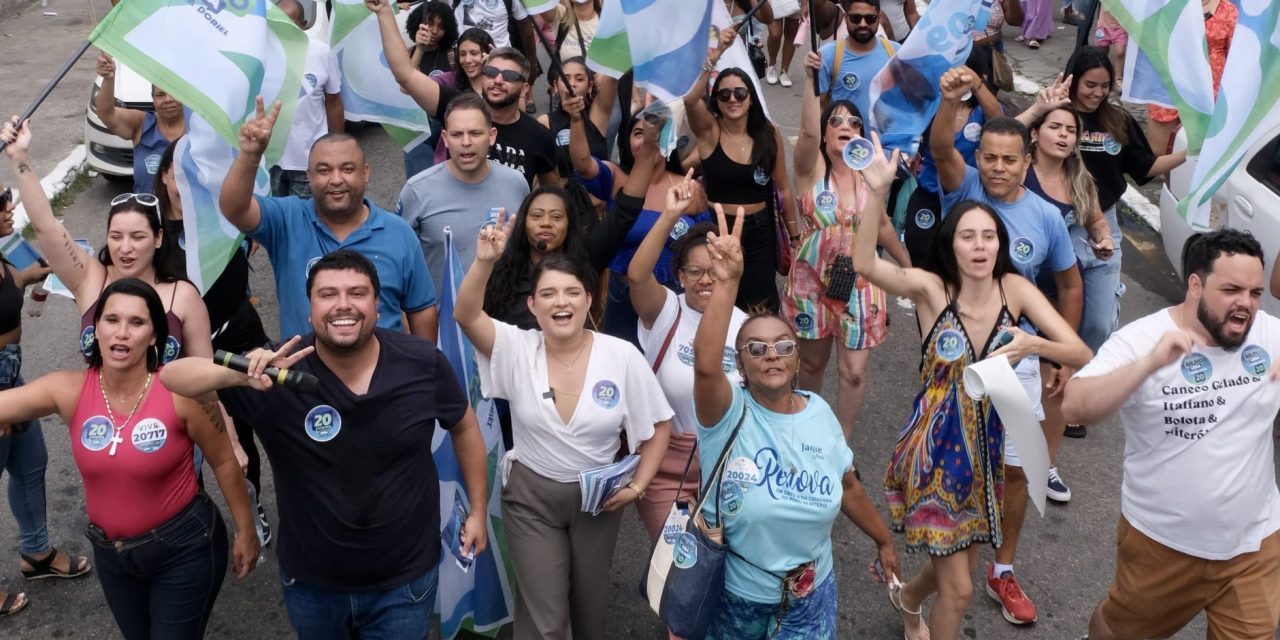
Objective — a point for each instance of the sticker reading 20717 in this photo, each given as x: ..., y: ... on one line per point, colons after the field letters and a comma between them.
x: 323, y: 423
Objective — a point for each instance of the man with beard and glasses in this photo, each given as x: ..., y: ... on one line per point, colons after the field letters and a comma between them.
x: 521, y: 143
x: 355, y: 480
x: 298, y: 232
x: 459, y: 193
x: 848, y: 65
x: 1196, y: 388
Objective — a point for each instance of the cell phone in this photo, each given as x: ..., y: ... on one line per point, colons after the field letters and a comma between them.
x: 1004, y: 338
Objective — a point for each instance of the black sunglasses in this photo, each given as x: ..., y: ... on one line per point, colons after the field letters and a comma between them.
x: 507, y: 74
x: 738, y: 94
x: 837, y: 120
x: 867, y: 18
x: 6, y: 197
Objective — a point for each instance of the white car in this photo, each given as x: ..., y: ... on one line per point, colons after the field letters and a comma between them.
x: 1249, y: 200
x: 111, y: 155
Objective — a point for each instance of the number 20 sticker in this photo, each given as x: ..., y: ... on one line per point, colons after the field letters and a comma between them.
x: 323, y: 423
x: 950, y: 345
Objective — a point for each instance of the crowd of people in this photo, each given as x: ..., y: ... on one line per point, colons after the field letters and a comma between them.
x: 682, y: 307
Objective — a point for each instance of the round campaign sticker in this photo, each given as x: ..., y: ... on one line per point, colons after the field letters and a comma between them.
x: 149, y: 435
x: 152, y: 163
x: 606, y: 394
x: 562, y: 138
x: 1256, y: 360
x: 311, y: 79
x: 87, y: 338
x: 1196, y: 368
x: 729, y: 362
x: 850, y: 81
x: 950, y: 345
x: 731, y: 498
x: 681, y: 228
x: 1111, y: 146
x: 925, y: 219
x: 182, y: 240
x: 685, y: 553
x: 171, y: 349
x: 323, y: 423
x: 95, y: 433
x: 1100, y: 34
x: 857, y: 154
x: 760, y: 176
x: 1022, y: 250
x: 741, y: 471
x: 972, y: 131
x: 826, y: 201
x: 804, y: 321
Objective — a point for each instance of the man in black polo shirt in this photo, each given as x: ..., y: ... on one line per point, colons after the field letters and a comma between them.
x: 355, y: 480
x: 523, y: 143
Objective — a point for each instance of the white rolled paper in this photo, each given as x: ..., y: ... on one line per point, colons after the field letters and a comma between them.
x: 995, y: 378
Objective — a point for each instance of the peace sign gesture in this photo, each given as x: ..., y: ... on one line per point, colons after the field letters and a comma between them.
x: 725, y: 246
x: 1055, y: 95
x: 492, y: 240
x: 255, y: 134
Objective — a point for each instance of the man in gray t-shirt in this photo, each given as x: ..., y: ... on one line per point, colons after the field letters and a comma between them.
x: 460, y: 192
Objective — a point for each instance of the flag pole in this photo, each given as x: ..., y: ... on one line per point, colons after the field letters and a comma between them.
x: 813, y: 42
x: 53, y: 82
x: 555, y: 59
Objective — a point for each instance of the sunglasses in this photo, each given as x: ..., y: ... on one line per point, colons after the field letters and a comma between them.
x: 757, y: 349
x: 738, y: 94
x: 866, y: 18
x: 144, y: 199
x: 507, y: 74
x: 6, y: 197
x: 854, y: 121
x: 695, y: 273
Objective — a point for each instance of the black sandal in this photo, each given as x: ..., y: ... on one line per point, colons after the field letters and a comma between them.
x: 41, y: 569
x: 8, y: 607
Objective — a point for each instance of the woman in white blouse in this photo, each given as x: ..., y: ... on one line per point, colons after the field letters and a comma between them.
x: 573, y: 394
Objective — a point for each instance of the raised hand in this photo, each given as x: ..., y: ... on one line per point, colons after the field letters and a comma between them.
x: 282, y: 358
x: 574, y: 106
x: 424, y: 36
x: 17, y: 138
x: 680, y: 196
x: 880, y: 174
x: 957, y: 82
x: 377, y: 6
x: 1055, y: 95
x: 255, y: 134
x: 1172, y: 345
x: 106, y: 66
x: 725, y: 246
x: 492, y: 240
x: 813, y: 61
x: 726, y: 39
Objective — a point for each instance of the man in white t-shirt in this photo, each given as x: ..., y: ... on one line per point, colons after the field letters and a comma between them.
x: 496, y: 17
x: 319, y: 111
x: 1196, y: 388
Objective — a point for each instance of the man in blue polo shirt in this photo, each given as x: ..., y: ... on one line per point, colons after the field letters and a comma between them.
x: 847, y: 76
x: 298, y: 232
x: 1038, y: 242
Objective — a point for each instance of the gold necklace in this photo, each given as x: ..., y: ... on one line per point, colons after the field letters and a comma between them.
x: 568, y: 368
x: 111, y: 416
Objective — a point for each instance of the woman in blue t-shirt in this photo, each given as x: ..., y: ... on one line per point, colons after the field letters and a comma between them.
x: 789, y: 471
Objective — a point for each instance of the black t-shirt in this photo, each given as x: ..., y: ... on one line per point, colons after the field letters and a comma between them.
x: 524, y: 145
x: 356, y: 484
x: 1108, y: 160
x: 433, y: 61
x: 235, y: 323
x: 560, y: 127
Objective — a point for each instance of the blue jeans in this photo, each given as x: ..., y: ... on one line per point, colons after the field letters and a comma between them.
x: 810, y: 618
x: 290, y: 182
x: 401, y: 613
x: 24, y: 456
x: 1102, y: 287
x: 161, y: 585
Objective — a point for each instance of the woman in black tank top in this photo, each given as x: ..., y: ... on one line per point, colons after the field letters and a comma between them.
x: 744, y: 169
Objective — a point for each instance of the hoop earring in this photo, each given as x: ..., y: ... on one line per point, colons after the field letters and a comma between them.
x: 153, y: 357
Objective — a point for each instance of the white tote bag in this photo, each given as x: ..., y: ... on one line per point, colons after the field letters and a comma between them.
x: 785, y: 8
x: 663, y: 554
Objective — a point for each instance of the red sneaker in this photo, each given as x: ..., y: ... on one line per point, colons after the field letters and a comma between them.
x: 1016, y: 607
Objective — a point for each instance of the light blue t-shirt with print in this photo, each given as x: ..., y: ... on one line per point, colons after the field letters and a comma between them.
x: 853, y: 83
x: 295, y: 239
x: 781, y: 490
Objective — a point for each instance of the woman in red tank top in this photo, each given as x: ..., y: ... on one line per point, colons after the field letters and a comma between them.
x: 160, y: 546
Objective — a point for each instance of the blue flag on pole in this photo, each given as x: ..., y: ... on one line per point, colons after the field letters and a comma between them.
x: 480, y: 600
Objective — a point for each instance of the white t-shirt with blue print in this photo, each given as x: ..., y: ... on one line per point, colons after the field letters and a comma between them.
x: 781, y: 491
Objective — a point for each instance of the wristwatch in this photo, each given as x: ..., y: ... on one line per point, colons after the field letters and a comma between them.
x: 632, y: 486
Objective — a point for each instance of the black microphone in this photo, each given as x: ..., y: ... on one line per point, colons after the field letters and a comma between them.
x: 297, y: 380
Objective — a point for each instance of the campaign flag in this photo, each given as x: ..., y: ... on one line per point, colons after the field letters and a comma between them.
x: 370, y: 92
x: 736, y: 55
x: 663, y: 41
x: 201, y: 161
x: 1170, y: 35
x: 905, y: 93
x: 1246, y: 106
x: 1142, y: 83
x: 534, y: 7
x: 479, y: 600
x: 214, y: 56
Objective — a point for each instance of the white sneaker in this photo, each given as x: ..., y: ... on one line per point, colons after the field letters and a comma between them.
x: 771, y: 75
x: 784, y: 79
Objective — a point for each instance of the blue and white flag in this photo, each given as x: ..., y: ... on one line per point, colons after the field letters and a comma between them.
x: 370, y: 92
x: 1142, y: 83
x: 480, y: 600
x: 664, y: 41
x: 905, y: 94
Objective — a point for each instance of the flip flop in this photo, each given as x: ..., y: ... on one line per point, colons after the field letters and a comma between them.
x: 41, y: 569
x: 9, y: 605
x: 895, y: 599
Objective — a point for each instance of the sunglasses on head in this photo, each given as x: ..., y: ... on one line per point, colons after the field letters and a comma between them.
x: 837, y: 120
x: 865, y: 18
x: 737, y: 94
x: 144, y: 199
x: 507, y: 74
x: 757, y: 349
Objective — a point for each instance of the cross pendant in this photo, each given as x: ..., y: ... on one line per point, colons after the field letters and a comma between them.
x: 115, y: 440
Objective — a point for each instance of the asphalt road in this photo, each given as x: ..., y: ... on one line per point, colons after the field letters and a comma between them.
x: 1066, y: 557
